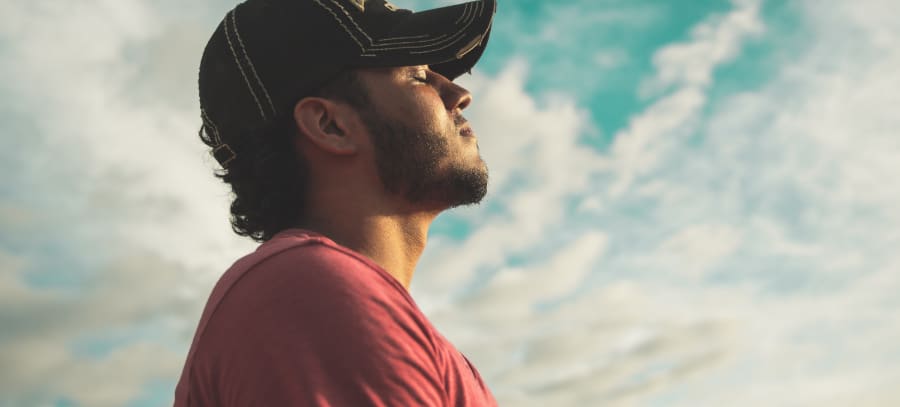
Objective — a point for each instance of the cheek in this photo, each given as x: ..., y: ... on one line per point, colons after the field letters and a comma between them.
x: 432, y: 113
x: 443, y: 123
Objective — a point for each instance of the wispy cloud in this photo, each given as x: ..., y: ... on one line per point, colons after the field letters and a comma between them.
x: 737, y: 235
x: 729, y: 251
x: 107, y: 195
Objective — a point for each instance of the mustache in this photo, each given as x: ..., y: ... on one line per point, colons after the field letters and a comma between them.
x: 459, y: 120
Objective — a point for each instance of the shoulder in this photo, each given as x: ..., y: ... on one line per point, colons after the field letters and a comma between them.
x: 310, y: 317
x: 297, y: 278
x: 315, y: 266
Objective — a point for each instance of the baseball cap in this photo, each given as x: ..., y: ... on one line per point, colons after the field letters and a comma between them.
x: 266, y: 55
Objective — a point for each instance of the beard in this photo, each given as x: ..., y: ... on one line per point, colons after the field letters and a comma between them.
x: 408, y: 163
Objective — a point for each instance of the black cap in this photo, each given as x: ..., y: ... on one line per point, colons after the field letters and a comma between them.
x: 267, y: 54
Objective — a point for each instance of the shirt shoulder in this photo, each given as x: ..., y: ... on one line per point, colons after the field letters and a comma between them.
x: 306, y: 260
x: 305, y: 318
x: 317, y: 279
x: 317, y: 262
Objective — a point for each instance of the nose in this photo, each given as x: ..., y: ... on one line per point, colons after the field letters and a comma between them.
x: 455, y: 97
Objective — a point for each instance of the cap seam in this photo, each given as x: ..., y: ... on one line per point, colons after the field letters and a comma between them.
x: 452, y: 40
x: 347, y: 13
x: 241, y: 68
x: 250, y: 61
x: 430, y: 43
x: 338, y: 19
x: 470, y: 14
x: 435, y: 39
x: 408, y: 37
x: 215, y: 130
x: 466, y: 11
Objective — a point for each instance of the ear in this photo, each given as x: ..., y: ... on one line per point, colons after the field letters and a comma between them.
x: 325, y: 124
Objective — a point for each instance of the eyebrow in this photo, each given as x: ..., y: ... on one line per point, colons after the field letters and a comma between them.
x: 413, y: 68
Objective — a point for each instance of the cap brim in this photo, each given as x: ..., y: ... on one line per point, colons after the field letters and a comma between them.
x: 450, y: 39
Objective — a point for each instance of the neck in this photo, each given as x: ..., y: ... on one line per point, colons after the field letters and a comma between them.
x: 392, y: 240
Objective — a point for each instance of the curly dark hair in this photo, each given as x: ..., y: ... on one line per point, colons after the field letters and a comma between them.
x: 268, y: 178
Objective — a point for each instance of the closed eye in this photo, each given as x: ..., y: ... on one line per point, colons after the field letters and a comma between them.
x: 421, y: 76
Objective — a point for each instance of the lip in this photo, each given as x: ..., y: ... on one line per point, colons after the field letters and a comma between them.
x: 466, y: 131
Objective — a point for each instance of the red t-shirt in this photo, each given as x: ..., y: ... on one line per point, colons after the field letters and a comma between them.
x: 303, y: 321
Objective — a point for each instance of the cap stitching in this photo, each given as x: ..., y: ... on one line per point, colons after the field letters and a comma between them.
x: 460, y: 34
x: 435, y: 39
x: 468, y: 6
x: 241, y: 68
x: 452, y: 39
x: 408, y: 37
x: 432, y: 42
x: 468, y: 15
x: 360, y: 4
x: 474, y: 42
x: 250, y: 61
x: 439, y: 48
x: 209, y: 122
x: 428, y: 44
x: 338, y: 19
x: 353, y: 21
x: 414, y: 45
x: 217, y: 140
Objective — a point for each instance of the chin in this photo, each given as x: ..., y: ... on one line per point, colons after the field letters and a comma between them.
x: 468, y: 186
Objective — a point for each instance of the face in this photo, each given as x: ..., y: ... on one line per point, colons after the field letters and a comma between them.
x: 424, y: 149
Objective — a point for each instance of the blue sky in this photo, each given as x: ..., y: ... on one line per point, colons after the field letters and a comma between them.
x: 692, y: 203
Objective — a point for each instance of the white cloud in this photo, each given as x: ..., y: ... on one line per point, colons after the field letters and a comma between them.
x: 118, y: 389
x: 717, y: 40
x: 757, y: 267
x: 694, y: 249
x: 42, y: 326
x: 520, y: 140
x: 137, y: 191
x: 761, y: 266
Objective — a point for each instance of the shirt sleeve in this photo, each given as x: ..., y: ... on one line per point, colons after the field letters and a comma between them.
x: 313, y: 326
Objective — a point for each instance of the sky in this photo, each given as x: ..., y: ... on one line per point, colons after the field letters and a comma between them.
x: 691, y: 203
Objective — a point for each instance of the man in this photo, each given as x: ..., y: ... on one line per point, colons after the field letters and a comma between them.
x: 339, y: 130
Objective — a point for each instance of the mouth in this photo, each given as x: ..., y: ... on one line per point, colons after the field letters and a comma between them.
x: 462, y: 124
x: 466, y: 131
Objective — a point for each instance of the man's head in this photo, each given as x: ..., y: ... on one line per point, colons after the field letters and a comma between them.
x: 409, y: 121
x: 279, y: 71
x: 425, y: 149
